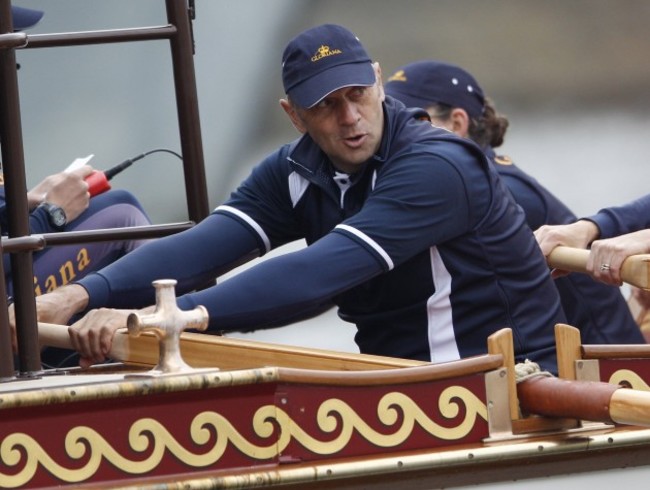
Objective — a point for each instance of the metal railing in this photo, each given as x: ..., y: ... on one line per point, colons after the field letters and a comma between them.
x: 19, y: 242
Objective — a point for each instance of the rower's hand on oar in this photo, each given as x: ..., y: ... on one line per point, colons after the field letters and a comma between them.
x: 607, y: 256
x: 576, y: 235
x: 92, y: 336
x: 56, y: 307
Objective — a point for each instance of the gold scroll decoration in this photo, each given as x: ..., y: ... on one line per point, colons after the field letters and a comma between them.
x: 149, y: 435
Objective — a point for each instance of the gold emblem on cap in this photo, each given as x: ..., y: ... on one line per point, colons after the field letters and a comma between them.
x: 324, y: 52
x: 398, y: 76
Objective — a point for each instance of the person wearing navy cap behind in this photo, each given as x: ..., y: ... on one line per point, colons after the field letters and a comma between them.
x: 61, y: 202
x: 455, y: 101
x: 409, y: 232
x: 24, y: 18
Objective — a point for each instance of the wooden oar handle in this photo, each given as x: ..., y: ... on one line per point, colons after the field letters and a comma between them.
x: 569, y: 259
x: 630, y: 407
x: 53, y: 335
x: 635, y: 269
x: 201, y: 350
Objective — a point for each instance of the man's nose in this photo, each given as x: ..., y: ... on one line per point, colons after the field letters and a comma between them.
x: 348, y: 112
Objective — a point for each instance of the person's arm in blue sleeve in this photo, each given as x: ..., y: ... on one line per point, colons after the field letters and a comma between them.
x: 193, y: 257
x: 620, y: 220
x: 286, y: 287
x: 39, y: 222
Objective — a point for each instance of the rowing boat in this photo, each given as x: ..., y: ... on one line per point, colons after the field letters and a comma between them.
x: 194, y: 411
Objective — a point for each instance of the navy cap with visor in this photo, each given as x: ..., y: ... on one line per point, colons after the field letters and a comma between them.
x: 424, y: 83
x: 321, y: 60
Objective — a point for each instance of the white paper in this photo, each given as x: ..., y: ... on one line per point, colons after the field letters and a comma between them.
x: 78, y: 163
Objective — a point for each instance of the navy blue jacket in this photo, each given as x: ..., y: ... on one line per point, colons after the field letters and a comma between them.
x: 597, y: 309
x: 424, y: 250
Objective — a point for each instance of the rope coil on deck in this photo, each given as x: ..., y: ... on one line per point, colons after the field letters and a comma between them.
x: 529, y: 369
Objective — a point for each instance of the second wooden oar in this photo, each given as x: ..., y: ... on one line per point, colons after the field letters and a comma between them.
x: 585, y: 400
x: 635, y: 269
x: 201, y: 350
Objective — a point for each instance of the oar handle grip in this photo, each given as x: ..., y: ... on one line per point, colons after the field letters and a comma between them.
x: 635, y: 269
x: 569, y: 259
x: 53, y: 335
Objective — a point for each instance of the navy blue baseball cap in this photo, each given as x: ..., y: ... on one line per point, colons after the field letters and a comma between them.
x: 24, y: 18
x: 423, y: 83
x: 321, y: 60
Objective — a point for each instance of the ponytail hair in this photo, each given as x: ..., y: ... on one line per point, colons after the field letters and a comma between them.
x: 487, y: 130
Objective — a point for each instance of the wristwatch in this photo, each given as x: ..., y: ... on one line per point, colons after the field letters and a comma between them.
x: 55, y: 215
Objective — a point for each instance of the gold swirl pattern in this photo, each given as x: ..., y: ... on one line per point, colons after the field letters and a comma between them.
x: 149, y: 436
x: 629, y: 378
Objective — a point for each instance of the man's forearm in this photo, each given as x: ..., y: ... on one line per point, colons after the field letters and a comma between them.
x: 72, y: 298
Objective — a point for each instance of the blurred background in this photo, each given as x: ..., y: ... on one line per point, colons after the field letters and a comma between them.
x: 572, y: 76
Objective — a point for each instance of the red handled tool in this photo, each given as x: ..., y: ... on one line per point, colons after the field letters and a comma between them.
x: 98, y: 180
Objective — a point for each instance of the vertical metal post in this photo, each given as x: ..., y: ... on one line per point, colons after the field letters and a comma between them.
x: 6, y: 352
x: 188, y: 110
x: 13, y: 160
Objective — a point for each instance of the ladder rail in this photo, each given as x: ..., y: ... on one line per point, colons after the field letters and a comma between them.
x: 178, y: 32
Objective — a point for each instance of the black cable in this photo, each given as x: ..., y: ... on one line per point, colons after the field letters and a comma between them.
x: 112, y: 172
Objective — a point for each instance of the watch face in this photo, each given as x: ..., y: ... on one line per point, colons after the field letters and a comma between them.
x: 58, y: 217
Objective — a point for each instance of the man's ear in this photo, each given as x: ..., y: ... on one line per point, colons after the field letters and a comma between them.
x: 380, y: 84
x: 293, y: 115
x: 460, y: 122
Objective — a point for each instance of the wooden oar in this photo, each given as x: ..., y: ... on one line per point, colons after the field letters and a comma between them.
x: 585, y: 400
x: 635, y: 269
x: 201, y: 350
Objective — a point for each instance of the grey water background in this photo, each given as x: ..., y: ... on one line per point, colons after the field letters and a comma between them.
x: 571, y: 75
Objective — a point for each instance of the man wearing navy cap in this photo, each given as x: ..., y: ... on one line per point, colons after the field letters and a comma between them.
x: 455, y: 101
x: 409, y: 232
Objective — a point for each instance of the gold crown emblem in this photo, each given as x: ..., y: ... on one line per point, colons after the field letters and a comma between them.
x: 503, y: 160
x: 398, y: 76
x: 324, y: 52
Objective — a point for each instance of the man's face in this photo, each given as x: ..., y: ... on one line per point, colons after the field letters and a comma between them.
x: 347, y: 124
